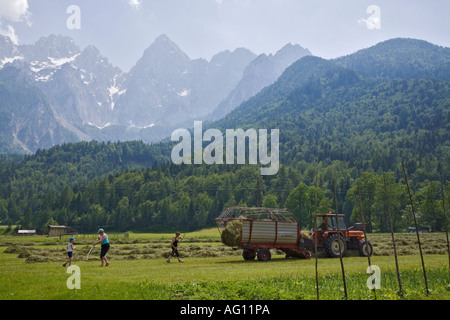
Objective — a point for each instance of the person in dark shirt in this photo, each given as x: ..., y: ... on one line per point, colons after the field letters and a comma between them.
x: 174, y: 245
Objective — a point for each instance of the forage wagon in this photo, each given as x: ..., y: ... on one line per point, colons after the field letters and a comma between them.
x: 257, y: 230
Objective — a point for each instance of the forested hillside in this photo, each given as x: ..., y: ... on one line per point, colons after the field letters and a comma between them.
x: 352, y: 120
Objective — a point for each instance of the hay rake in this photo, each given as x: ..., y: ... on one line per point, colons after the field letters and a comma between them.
x: 87, y: 257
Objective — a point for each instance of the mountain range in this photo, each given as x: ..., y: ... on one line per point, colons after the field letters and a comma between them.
x: 344, y: 122
x: 78, y: 95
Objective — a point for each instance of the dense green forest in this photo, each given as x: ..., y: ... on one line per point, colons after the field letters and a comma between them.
x: 352, y: 121
x: 370, y: 124
x: 165, y: 196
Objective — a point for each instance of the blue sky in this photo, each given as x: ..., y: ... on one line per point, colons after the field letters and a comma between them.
x: 123, y: 29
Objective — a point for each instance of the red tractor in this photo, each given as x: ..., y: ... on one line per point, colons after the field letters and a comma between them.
x: 337, y: 243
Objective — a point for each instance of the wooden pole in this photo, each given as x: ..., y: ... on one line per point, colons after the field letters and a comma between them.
x: 392, y: 236
x: 445, y: 220
x: 339, y: 241
x: 417, y: 229
x: 365, y: 237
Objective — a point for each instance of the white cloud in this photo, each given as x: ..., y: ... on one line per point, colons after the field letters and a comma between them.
x: 137, y: 4
x: 13, y: 11
x: 11, y: 33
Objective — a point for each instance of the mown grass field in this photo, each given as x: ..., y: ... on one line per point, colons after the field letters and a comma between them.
x: 31, y: 269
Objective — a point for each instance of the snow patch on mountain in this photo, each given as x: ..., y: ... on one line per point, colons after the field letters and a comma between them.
x: 9, y: 60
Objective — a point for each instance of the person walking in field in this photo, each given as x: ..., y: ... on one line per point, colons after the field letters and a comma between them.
x: 70, y: 249
x: 174, y: 245
x: 104, y: 241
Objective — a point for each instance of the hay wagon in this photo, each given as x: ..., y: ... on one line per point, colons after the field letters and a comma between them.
x: 258, y: 230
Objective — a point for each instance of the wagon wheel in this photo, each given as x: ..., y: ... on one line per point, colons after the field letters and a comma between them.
x: 332, y: 245
x: 264, y: 254
x: 365, y: 249
x: 249, y: 254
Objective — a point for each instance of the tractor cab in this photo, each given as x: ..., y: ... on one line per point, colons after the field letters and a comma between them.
x: 327, y: 222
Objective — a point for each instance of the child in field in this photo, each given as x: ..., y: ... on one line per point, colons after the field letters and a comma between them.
x: 70, y: 249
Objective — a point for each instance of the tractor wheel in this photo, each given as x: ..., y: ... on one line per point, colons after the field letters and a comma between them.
x: 365, y: 249
x: 249, y: 254
x: 332, y: 246
x: 264, y: 254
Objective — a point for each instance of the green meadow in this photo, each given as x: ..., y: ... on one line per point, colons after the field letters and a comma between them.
x: 31, y: 269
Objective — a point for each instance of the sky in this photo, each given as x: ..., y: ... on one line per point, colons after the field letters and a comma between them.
x: 123, y: 29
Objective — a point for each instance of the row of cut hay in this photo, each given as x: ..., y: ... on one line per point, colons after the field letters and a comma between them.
x: 406, y: 245
x: 137, y: 240
x: 88, y: 242
x: 31, y: 254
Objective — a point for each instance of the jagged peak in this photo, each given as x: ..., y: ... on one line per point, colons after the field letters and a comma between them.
x: 290, y: 48
x: 52, y: 46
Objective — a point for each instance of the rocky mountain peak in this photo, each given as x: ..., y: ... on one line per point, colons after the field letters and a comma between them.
x: 53, y: 46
